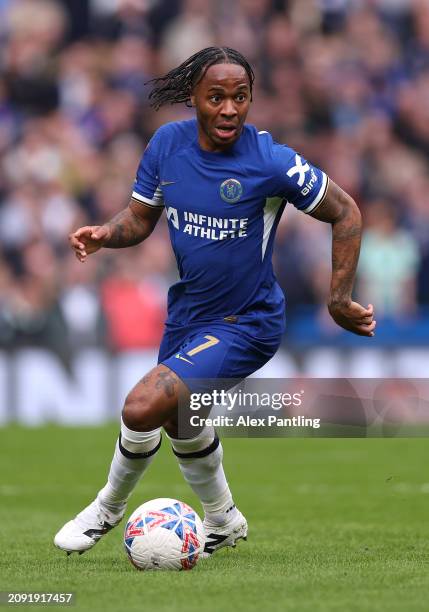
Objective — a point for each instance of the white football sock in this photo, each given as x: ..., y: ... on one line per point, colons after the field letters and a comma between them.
x: 134, y: 452
x: 200, y: 461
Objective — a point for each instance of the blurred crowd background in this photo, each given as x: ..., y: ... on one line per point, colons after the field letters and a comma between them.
x: 345, y: 82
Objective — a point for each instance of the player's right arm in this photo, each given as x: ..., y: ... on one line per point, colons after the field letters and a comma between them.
x: 134, y: 224
x: 129, y: 227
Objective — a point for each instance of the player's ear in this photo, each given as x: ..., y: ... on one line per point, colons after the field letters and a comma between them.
x: 192, y: 100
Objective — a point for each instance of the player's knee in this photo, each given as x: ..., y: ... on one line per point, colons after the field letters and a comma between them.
x: 139, y: 414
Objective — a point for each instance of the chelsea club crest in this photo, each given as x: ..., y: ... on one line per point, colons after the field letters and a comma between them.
x: 231, y: 190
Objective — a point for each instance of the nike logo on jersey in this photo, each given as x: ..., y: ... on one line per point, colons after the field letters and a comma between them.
x: 163, y: 183
x: 179, y: 356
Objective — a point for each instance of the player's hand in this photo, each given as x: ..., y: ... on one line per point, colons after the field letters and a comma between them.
x: 89, y: 239
x: 354, y: 317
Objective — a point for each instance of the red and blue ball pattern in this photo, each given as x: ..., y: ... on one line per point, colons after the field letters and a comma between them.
x: 164, y: 534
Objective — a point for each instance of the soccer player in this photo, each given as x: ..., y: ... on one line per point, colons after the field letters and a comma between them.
x: 224, y: 186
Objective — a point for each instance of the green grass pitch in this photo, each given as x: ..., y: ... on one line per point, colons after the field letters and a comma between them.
x: 334, y: 525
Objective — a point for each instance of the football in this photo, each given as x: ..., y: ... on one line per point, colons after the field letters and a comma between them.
x: 164, y: 534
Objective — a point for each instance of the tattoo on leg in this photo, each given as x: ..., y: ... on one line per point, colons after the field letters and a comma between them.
x: 146, y: 379
x: 166, y: 381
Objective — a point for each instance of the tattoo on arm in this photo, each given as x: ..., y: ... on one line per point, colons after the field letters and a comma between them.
x: 126, y: 230
x: 340, y: 210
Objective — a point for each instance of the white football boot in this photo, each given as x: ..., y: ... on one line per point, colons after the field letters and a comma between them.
x: 84, y: 531
x: 222, y: 531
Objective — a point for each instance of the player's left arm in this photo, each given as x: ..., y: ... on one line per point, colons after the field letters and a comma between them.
x: 341, y: 211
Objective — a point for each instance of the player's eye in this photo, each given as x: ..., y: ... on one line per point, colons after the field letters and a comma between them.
x: 215, y: 99
x: 241, y: 97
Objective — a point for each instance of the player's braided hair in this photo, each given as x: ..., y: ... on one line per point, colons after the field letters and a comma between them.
x: 176, y: 86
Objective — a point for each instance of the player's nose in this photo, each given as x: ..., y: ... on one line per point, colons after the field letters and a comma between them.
x: 228, y: 108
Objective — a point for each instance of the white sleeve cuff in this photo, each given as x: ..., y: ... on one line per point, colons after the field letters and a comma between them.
x: 157, y: 200
x: 319, y: 197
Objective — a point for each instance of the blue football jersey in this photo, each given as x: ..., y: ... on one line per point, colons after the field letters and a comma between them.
x: 223, y: 210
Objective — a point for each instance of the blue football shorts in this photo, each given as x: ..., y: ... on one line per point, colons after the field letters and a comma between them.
x: 212, y: 351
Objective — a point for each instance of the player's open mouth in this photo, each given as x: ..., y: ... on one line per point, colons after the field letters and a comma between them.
x: 225, y: 132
